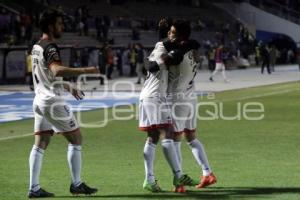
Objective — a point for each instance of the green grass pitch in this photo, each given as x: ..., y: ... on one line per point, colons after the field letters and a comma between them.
x: 251, y: 159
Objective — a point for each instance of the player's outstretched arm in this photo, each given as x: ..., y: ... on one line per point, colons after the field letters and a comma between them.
x: 61, y: 71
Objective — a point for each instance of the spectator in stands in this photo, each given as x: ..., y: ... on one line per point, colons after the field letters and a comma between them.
x: 257, y: 54
x: 211, y: 59
x: 265, y: 56
x: 132, y: 59
x: 126, y: 60
x: 110, y: 62
x: 139, y: 63
x: 28, y: 78
x: 220, y: 63
x: 273, y: 57
x: 290, y: 56
x: 119, y: 61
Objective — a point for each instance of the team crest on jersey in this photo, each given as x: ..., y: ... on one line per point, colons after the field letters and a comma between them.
x: 72, y: 124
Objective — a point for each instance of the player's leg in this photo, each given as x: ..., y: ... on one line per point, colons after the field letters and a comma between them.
x: 180, y: 179
x: 74, y: 159
x: 148, y: 121
x: 197, y: 148
x: 224, y: 73
x: 43, y: 133
x: 181, y: 109
x: 64, y: 122
x: 208, y: 178
x: 218, y: 68
x: 167, y: 136
x: 149, y: 155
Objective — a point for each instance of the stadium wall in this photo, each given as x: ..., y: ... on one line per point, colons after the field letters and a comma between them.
x: 262, y: 20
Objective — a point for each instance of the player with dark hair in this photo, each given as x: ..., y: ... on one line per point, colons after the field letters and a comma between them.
x: 155, y: 116
x: 220, y: 64
x: 51, y: 112
x: 181, y: 94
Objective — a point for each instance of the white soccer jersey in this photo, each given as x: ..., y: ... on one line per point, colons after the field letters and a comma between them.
x: 46, y: 89
x: 181, y: 94
x: 157, y: 82
x: 181, y: 77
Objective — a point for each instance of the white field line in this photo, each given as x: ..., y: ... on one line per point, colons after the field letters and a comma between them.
x: 226, y: 100
x: 16, y: 136
x: 32, y: 134
x: 259, y: 95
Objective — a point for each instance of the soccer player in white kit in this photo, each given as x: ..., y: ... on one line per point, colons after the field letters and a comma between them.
x: 51, y: 112
x: 181, y: 94
x: 155, y: 118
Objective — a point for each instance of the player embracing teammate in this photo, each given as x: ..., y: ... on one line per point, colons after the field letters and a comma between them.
x: 171, y: 71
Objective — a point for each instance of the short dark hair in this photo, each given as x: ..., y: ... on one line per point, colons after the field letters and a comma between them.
x: 164, y: 26
x: 183, y: 28
x: 49, y: 17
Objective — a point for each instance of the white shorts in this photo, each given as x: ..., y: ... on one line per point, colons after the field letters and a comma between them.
x: 220, y: 67
x: 53, y: 118
x: 154, y: 113
x: 184, y: 114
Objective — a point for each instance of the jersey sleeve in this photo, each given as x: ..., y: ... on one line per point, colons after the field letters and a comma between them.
x: 157, y: 53
x: 52, y: 54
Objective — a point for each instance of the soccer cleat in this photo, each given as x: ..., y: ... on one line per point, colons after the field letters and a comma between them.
x: 41, y: 193
x: 207, y: 180
x: 184, y: 180
x: 179, y: 189
x: 82, y: 189
x: 152, y: 187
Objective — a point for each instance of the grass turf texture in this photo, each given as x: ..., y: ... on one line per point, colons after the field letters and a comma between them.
x: 251, y: 159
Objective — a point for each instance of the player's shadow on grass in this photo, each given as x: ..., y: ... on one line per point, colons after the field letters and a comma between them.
x: 210, y: 193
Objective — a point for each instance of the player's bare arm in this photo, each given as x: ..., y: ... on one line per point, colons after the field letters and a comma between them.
x: 61, y: 71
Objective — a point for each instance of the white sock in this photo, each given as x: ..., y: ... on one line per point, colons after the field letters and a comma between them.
x: 35, y: 165
x: 214, y: 73
x: 171, y: 156
x: 224, y: 75
x: 177, y: 146
x: 149, y: 155
x: 200, y: 156
x: 74, y: 160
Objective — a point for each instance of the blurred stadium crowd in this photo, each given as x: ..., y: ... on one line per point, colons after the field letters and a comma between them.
x: 118, y: 34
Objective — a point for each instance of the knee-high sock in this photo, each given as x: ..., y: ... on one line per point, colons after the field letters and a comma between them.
x: 74, y: 160
x: 149, y: 155
x: 171, y: 156
x: 35, y: 165
x: 200, y: 156
x: 224, y: 75
x: 177, y: 146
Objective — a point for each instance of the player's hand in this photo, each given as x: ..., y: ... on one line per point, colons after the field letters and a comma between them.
x: 173, y: 57
x: 77, y: 94
x: 92, y: 70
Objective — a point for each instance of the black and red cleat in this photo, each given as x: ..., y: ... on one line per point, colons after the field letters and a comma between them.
x: 41, y: 193
x: 82, y: 189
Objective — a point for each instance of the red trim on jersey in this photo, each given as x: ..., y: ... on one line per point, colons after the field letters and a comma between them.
x: 51, y: 132
x: 187, y: 131
x: 154, y: 127
x: 70, y: 132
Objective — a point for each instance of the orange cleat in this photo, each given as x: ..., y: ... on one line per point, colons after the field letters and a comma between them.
x: 179, y: 189
x: 207, y: 180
